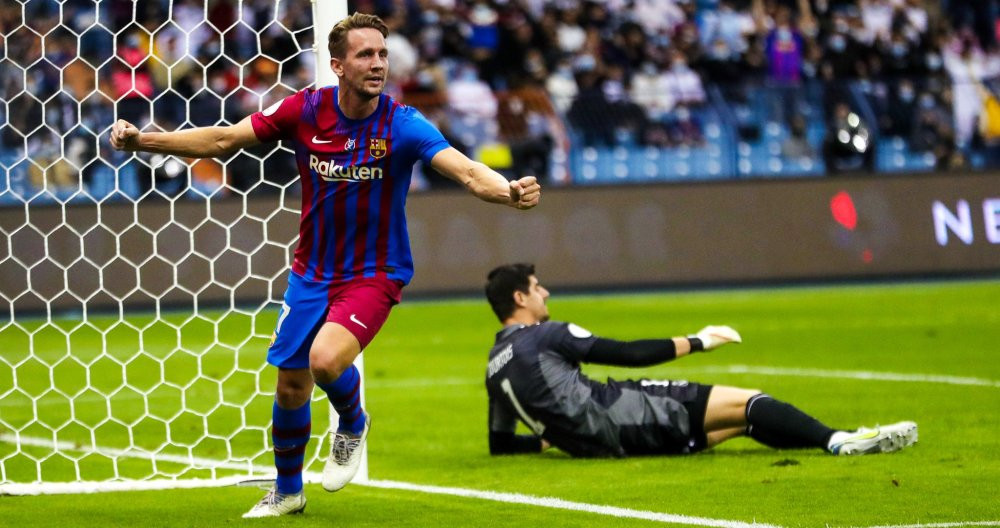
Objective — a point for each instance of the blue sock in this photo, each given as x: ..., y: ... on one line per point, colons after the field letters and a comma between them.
x: 345, y: 395
x: 290, y: 433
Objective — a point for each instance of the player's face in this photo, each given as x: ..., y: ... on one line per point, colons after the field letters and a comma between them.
x: 534, y: 301
x: 365, y: 65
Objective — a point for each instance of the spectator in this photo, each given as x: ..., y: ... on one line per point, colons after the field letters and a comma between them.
x: 561, y: 86
x: 681, y: 83
x: 132, y: 81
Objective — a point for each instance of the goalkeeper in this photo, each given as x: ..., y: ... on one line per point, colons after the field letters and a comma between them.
x: 534, y: 376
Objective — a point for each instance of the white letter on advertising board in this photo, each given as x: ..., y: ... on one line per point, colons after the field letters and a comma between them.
x: 961, y: 225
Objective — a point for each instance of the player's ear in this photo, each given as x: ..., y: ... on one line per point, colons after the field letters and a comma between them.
x: 337, y: 66
x: 519, y: 298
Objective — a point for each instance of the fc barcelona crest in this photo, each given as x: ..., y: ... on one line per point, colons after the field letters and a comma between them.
x: 378, y: 147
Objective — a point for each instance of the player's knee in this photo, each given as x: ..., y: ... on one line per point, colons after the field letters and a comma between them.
x: 292, y: 395
x: 327, y: 366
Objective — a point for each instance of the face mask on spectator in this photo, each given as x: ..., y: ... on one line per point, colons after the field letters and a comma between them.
x: 218, y: 84
x: 906, y: 94
x: 720, y: 51
x: 927, y: 101
x: 933, y: 61
x: 899, y: 50
x: 838, y: 43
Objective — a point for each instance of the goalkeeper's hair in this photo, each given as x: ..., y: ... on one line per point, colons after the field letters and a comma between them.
x: 337, y: 42
x: 502, y: 282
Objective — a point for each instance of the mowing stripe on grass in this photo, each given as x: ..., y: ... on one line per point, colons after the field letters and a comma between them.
x: 940, y: 525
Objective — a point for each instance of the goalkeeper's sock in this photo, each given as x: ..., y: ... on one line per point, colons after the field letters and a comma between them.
x: 345, y: 395
x: 290, y: 433
x: 782, y: 426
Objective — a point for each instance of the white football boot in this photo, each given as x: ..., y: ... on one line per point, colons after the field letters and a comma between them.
x: 275, y: 504
x: 881, y: 439
x: 345, y: 457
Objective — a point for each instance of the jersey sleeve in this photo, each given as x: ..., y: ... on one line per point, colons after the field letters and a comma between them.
x: 280, y: 120
x: 422, y: 137
x: 572, y: 341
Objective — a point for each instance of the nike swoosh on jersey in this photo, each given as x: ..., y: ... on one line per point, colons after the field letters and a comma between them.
x: 354, y: 319
x: 320, y: 141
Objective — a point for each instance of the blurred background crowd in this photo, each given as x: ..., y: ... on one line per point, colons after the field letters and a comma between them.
x: 599, y: 91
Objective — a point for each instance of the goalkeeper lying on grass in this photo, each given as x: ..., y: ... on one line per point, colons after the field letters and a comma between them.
x: 534, y: 375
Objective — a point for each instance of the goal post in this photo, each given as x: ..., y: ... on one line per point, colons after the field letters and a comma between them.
x: 326, y: 13
x: 138, y: 292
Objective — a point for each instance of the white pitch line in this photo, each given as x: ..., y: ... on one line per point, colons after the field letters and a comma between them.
x: 560, y: 504
x: 416, y: 383
x: 36, y: 488
x: 137, y: 452
x: 851, y: 374
x: 738, y: 369
x: 512, y: 498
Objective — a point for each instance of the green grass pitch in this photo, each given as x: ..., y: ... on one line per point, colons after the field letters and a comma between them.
x: 424, y: 377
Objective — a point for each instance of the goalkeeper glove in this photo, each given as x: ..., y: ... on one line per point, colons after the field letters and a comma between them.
x: 712, y: 337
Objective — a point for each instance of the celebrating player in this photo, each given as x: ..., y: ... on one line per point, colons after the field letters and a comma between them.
x: 534, y: 375
x: 355, y: 148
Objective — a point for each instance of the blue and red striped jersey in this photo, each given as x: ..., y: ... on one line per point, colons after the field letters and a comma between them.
x: 355, y: 175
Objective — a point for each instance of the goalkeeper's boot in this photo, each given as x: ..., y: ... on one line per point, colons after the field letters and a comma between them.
x: 275, y: 504
x: 345, y: 457
x: 881, y: 439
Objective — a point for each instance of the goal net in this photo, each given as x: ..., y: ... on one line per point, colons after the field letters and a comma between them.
x: 139, y: 292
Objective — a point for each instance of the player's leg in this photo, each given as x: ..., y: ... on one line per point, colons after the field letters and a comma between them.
x: 721, y: 435
x: 769, y: 421
x: 331, y: 360
x: 303, y: 310
x: 357, y: 312
x: 291, y: 424
x: 780, y: 425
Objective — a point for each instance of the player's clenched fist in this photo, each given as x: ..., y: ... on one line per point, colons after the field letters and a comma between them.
x: 525, y: 192
x: 124, y: 135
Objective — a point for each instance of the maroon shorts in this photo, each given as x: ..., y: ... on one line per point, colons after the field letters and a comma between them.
x: 362, y: 305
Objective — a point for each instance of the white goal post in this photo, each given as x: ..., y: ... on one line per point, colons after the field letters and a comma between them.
x: 139, y: 292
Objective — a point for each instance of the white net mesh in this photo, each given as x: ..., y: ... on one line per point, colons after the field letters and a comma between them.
x: 138, y: 291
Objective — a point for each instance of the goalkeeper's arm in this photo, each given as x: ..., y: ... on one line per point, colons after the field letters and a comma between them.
x: 201, y: 142
x: 647, y: 352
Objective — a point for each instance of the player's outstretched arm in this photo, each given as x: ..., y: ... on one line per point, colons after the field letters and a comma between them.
x: 201, y: 142
x: 648, y: 352
x: 486, y: 183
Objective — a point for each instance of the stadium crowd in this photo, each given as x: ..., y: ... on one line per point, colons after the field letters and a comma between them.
x: 521, y: 84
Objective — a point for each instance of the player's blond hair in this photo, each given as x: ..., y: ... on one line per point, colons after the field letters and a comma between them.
x: 337, y: 42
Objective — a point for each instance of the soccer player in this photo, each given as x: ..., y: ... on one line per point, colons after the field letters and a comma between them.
x: 355, y: 148
x: 533, y: 375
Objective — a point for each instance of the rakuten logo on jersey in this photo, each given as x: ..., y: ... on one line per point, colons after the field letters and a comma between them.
x: 330, y: 171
